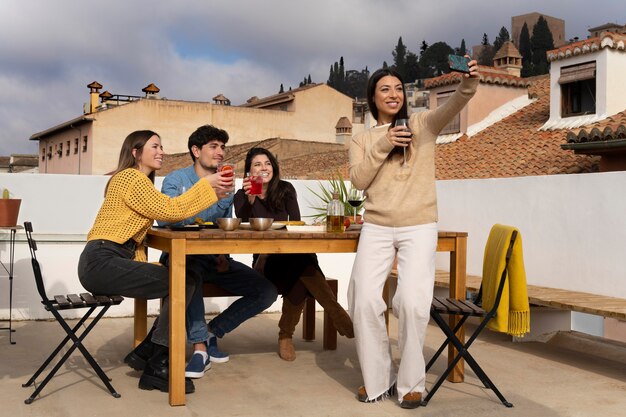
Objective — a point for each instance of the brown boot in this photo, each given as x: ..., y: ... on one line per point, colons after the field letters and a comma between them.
x: 286, y: 351
x: 316, y: 284
x: 287, y: 324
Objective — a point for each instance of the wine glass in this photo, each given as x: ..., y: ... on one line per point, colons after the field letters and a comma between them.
x: 405, y: 123
x: 355, y: 199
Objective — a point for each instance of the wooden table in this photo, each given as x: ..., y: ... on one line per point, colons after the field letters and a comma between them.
x: 215, y: 241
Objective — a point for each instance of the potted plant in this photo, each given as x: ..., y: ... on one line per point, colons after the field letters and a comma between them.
x: 9, y: 209
x: 336, y: 184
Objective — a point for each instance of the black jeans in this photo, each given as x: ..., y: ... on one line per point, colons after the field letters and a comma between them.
x: 108, y: 268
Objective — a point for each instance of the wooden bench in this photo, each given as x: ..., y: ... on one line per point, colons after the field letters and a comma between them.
x: 308, y: 315
x: 582, y: 302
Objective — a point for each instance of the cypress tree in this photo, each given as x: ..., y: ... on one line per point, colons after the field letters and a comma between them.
x: 526, y: 51
x: 399, y: 58
x: 282, y: 90
x: 461, y: 50
x: 541, y: 42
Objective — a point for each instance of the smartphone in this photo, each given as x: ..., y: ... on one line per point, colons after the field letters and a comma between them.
x: 458, y: 63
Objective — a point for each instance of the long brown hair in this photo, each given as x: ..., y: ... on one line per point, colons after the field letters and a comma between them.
x: 134, y: 141
x: 402, y: 113
x: 276, y: 188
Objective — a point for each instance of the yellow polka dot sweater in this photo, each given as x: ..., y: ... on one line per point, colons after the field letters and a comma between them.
x: 131, y: 205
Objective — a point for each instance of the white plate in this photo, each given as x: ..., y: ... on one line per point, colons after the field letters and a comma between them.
x: 306, y: 228
x: 355, y: 226
x: 274, y: 226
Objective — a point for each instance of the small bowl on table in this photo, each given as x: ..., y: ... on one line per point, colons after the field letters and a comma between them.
x: 261, y: 223
x: 228, y: 223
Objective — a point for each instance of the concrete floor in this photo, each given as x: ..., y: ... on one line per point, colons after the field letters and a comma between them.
x: 570, y: 375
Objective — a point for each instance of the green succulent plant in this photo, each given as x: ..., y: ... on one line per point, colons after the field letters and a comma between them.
x: 336, y: 184
x: 6, y: 194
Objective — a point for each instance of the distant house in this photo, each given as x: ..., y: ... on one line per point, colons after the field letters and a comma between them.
x: 499, y: 86
x: 90, y: 143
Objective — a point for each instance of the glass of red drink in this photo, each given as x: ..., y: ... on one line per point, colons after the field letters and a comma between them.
x: 227, y: 170
x: 256, y: 184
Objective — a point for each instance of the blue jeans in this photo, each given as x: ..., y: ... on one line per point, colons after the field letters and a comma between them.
x: 256, y: 292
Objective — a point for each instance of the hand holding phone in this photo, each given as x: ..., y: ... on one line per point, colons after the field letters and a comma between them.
x: 458, y: 63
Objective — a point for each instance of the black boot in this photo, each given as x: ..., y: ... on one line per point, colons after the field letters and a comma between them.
x: 138, y: 357
x: 156, y: 374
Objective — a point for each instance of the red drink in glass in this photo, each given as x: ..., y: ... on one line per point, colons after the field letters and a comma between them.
x: 256, y: 185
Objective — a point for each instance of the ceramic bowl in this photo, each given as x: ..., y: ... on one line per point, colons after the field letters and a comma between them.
x: 228, y: 223
x: 261, y: 223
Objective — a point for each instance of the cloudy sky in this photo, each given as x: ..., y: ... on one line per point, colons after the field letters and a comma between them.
x: 195, y: 49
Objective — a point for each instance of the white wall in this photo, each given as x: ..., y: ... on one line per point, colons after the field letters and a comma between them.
x: 573, y: 229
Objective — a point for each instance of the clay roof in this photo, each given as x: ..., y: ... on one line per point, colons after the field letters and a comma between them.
x: 488, y: 75
x: 106, y: 94
x: 605, y: 40
x: 514, y: 146
x: 151, y: 88
x: 343, y: 122
x: 507, y: 49
x: 606, y: 135
x: 95, y: 85
x: 220, y: 97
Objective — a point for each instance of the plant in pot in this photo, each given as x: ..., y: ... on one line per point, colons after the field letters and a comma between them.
x: 9, y: 209
x: 337, y: 185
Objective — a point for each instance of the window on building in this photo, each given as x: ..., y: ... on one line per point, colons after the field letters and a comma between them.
x: 43, y: 153
x: 84, y: 143
x: 455, y: 124
x: 578, y: 89
x: 60, y: 150
x: 50, y: 152
x: 75, y: 145
x: 67, y: 149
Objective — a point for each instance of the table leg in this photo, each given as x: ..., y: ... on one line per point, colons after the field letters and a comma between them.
x: 141, y: 321
x: 177, y: 322
x: 458, y: 261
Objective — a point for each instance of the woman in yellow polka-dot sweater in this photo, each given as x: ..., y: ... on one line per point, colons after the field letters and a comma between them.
x: 114, y: 260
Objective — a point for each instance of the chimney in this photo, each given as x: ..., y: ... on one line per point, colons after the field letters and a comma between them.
x: 94, y: 93
x: 509, y: 59
x: 152, y: 91
x: 343, y: 131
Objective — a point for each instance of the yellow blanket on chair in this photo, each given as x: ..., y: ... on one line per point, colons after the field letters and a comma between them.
x: 513, y: 314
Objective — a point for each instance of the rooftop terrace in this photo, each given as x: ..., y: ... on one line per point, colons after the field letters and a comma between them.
x: 569, y: 375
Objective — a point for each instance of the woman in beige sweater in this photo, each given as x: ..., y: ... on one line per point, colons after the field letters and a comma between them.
x: 400, y: 221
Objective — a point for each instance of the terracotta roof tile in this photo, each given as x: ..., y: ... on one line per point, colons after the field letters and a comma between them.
x: 605, y: 40
x: 514, y: 146
x: 488, y: 75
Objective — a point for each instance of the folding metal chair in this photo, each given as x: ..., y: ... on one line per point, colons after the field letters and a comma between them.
x: 466, y: 308
x: 67, y: 302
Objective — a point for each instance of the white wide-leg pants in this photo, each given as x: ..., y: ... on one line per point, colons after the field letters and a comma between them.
x: 415, y: 247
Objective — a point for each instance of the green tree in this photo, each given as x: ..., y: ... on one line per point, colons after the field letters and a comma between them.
x: 282, y: 90
x: 412, y: 67
x: 502, y: 37
x: 461, y: 50
x: 541, y: 42
x: 486, y: 52
x: 434, y: 61
x: 526, y: 51
x: 399, y: 58
x: 336, y: 76
x: 423, y: 48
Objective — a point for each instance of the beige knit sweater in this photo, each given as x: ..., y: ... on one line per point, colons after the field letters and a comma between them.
x: 396, y: 198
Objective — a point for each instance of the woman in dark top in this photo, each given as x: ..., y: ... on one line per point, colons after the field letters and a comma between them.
x: 294, y: 275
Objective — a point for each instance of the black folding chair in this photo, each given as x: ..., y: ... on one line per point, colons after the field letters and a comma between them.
x: 67, y: 302
x: 466, y: 308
